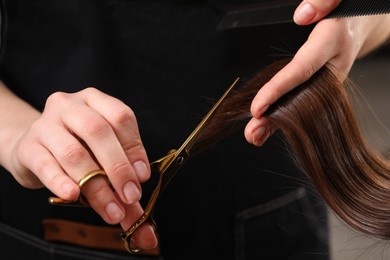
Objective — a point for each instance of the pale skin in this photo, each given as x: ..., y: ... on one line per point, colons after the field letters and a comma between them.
x: 338, y: 42
x: 89, y: 130
x: 45, y: 149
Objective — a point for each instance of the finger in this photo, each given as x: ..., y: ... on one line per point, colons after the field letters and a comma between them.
x: 46, y: 168
x: 72, y: 159
x: 317, y: 50
x: 124, y: 123
x: 144, y: 237
x: 310, y: 11
x: 69, y: 151
x: 257, y: 131
x: 98, y: 135
x: 102, y: 199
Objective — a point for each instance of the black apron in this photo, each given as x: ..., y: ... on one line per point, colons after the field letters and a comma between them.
x: 164, y: 59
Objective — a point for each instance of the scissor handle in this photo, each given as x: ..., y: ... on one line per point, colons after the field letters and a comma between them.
x: 147, y: 216
x: 156, y: 167
x: 128, y: 234
x: 81, y: 201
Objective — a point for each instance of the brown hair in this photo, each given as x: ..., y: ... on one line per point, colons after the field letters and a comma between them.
x: 319, y: 125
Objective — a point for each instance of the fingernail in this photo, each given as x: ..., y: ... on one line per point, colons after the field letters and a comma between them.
x: 141, y: 170
x: 257, y: 134
x: 265, y: 137
x: 304, y: 14
x: 132, y: 193
x: 114, y: 212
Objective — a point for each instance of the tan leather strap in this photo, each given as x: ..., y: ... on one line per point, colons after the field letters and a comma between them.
x: 99, y: 237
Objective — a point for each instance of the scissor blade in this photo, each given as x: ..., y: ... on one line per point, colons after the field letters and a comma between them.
x: 194, y: 136
x: 173, y: 163
x: 168, y: 166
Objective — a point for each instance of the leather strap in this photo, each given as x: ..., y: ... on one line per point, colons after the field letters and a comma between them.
x: 99, y: 237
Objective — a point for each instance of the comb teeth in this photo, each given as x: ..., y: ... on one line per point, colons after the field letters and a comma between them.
x: 349, y: 8
x: 282, y: 12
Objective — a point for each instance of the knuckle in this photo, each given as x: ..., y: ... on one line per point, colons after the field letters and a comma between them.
x: 54, y: 181
x: 120, y: 169
x: 37, y: 126
x: 277, y: 94
x: 55, y: 98
x: 307, y: 68
x: 44, y: 167
x: 277, y: 90
x: 308, y: 71
x: 96, y: 127
x: 74, y: 153
x: 122, y: 115
x: 135, y: 146
x: 90, y: 91
x: 97, y: 191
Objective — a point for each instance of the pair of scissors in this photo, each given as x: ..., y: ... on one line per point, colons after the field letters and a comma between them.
x: 166, y: 167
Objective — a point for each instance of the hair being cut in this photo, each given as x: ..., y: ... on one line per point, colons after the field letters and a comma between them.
x: 319, y: 125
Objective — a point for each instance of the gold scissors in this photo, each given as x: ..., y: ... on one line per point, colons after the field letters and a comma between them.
x: 166, y: 167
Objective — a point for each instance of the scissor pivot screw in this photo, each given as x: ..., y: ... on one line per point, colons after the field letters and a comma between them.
x: 180, y: 160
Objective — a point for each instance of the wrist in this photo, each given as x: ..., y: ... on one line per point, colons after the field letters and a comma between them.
x: 16, y: 117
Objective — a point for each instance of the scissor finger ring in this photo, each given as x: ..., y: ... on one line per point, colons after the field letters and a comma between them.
x: 128, y: 234
x: 81, y: 200
x: 89, y: 176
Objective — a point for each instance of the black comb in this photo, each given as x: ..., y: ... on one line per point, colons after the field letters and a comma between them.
x: 282, y: 12
x: 348, y: 8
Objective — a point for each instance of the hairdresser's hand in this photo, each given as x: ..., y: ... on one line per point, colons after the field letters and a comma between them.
x: 337, y: 42
x: 79, y: 133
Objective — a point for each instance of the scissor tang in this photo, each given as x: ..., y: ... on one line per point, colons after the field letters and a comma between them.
x: 168, y: 166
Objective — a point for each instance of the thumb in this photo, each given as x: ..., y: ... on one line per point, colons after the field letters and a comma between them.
x: 310, y: 11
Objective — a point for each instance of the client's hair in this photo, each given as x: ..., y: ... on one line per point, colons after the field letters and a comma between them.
x: 319, y: 125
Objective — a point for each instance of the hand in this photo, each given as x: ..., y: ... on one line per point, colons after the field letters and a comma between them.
x: 337, y: 42
x: 79, y: 133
